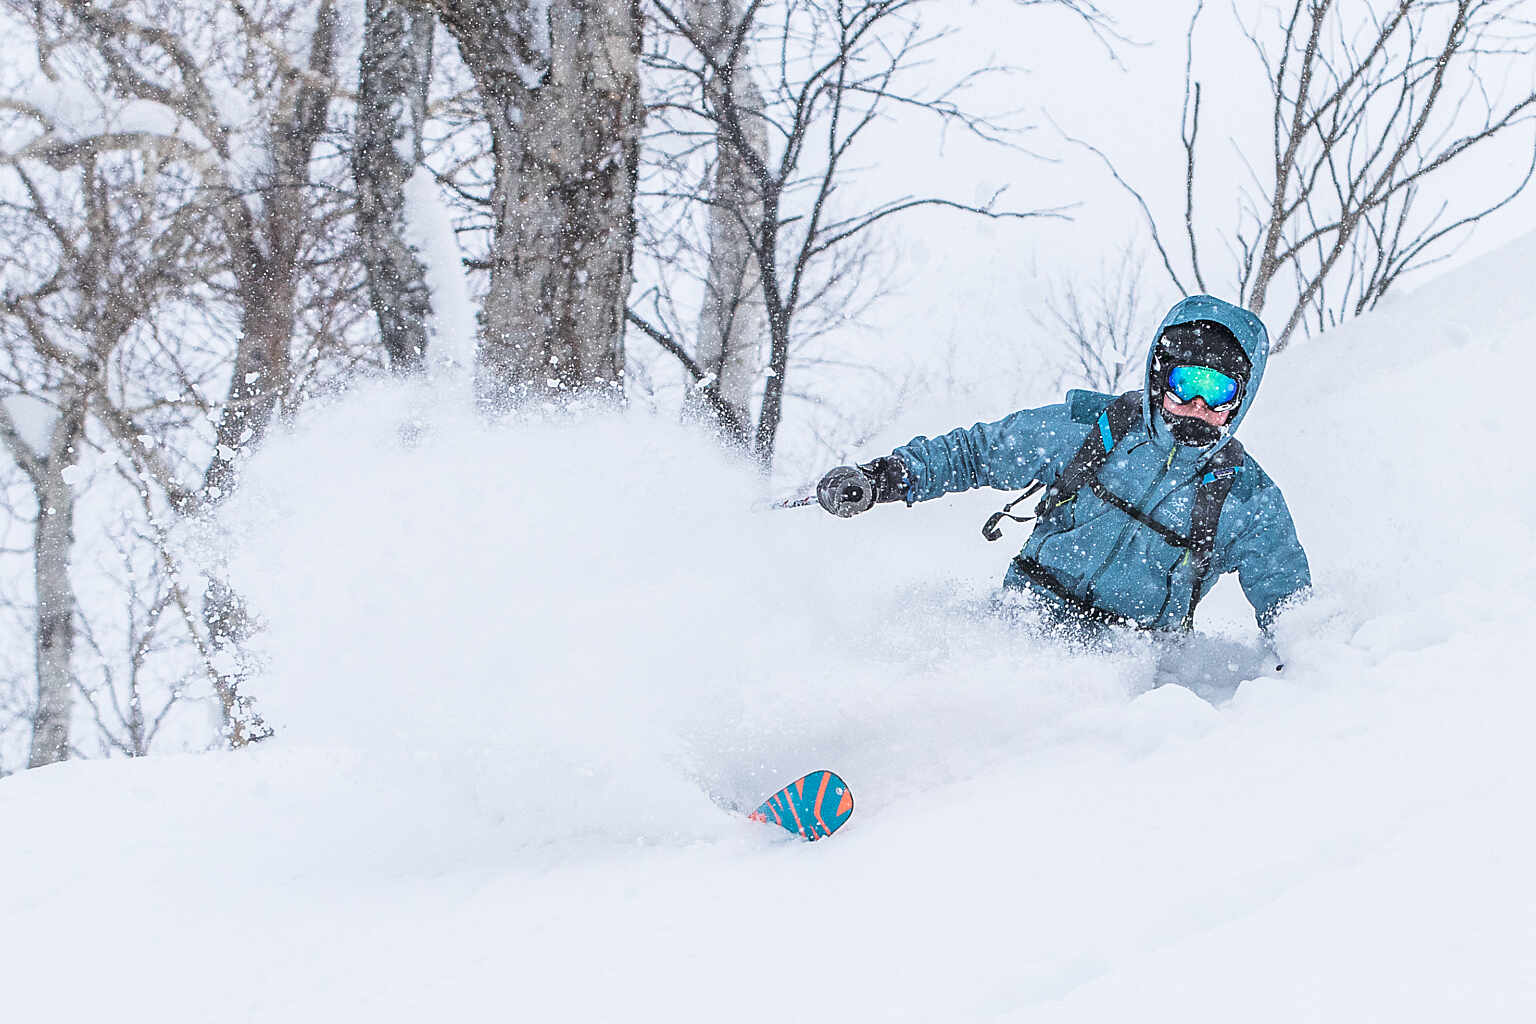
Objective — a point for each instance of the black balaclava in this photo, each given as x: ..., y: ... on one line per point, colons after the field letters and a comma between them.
x: 1197, y: 343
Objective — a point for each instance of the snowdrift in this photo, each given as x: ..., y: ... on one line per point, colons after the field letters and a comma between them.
x: 526, y: 678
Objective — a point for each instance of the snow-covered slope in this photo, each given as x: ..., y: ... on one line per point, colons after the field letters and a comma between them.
x: 522, y: 674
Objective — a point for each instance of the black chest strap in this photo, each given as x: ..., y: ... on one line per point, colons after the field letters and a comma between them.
x: 1112, y: 425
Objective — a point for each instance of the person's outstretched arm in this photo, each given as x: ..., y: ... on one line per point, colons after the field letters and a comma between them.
x: 1031, y: 444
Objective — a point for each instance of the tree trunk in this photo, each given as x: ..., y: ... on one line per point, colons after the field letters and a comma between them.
x: 396, y: 68
x: 559, y: 84
x: 264, y: 253
x: 731, y: 321
x: 55, y: 637
x: 779, y: 314
x: 263, y: 363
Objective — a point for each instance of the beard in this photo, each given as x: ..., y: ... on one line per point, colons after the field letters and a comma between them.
x: 1187, y: 430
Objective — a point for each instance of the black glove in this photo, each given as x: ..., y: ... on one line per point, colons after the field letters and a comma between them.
x: 849, y: 490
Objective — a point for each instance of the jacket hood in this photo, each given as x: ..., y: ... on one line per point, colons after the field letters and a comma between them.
x: 1247, y: 328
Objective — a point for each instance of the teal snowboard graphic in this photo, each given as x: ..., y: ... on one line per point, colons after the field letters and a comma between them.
x: 812, y: 807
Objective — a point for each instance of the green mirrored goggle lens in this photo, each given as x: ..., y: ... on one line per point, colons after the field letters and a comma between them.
x: 1191, y: 382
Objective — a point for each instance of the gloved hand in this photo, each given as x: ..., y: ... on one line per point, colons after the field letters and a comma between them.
x: 848, y: 490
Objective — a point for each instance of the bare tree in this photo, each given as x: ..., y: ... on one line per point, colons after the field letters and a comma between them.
x: 559, y: 89
x: 54, y: 636
x: 394, y: 75
x: 239, y: 225
x: 128, y: 705
x: 831, y: 71
x: 1103, y: 326
x: 18, y: 674
x: 265, y: 231
x: 62, y: 334
x: 264, y: 228
x: 1368, y: 102
x: 265, y: 213
x: 732, y: 328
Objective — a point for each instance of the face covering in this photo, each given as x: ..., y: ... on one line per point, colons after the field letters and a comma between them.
x: 1190, y: 431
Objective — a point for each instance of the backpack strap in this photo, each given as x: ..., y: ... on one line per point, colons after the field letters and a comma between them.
x: 1210, y: 495
x: 1113, y: 423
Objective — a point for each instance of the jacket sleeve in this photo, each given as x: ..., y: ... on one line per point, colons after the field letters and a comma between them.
x: 1008, y: 454
x: 1270, y: 562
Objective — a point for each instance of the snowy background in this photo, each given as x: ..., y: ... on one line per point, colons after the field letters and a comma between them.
x: 476, y: 806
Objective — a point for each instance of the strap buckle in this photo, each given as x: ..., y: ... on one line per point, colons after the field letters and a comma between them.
x: 991, y: 529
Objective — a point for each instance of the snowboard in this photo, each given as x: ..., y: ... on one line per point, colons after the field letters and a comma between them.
x: 812, y: 807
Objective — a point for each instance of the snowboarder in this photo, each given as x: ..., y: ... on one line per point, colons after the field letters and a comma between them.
x: 1148, y: 498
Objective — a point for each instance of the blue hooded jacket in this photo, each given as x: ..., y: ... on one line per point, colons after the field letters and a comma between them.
x: 1100, y: 554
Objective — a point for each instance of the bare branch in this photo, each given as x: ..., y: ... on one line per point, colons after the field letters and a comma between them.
x: 1369, y: 102
x: 1146, y: 211
x: 20, y: 450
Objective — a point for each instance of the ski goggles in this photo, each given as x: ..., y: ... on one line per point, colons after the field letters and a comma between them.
x: 1191, y: 382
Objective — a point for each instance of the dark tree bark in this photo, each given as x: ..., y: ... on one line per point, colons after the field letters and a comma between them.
x: 396, y: 69
x: 559, y: 85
